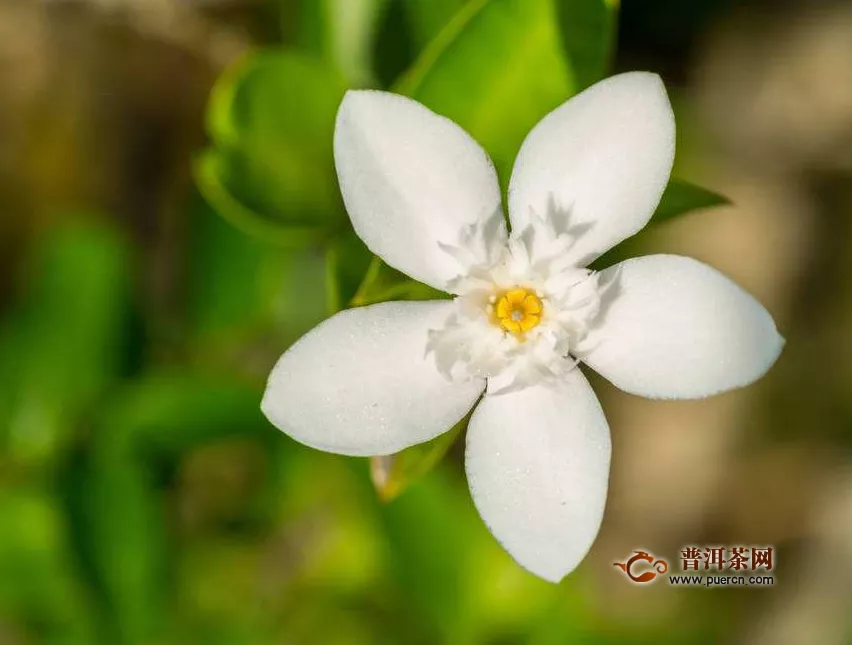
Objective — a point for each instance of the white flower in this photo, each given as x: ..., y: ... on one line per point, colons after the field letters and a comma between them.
x: 425, y: 198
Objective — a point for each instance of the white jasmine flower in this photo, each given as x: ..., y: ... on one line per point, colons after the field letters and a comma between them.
x: 425, y: 198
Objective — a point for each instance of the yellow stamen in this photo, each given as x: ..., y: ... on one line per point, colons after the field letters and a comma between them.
x: 518, y: 310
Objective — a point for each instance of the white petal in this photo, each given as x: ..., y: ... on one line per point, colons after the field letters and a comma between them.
x: 537, y: 464
x: 360, y: 382
x: 410, y: 179
x: 602, y: 159
x: 675, y: 328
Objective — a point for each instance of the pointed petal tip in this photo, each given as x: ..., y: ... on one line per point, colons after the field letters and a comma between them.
x: 541, y: 492
x: 357, y: 106
x: 552, y: 572
x: 351, y: 102
x: 780, y: 343
x: 680, y: 329
x: 352, y: 98
x: 773, y: 352
x: 553, y: 576
x: 651, y: 81
x: 267, y: 406
x: 652, y: 76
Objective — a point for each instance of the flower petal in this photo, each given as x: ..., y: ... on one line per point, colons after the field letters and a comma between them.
x: 601, y: 160
x: 411, y: 179
x: 537, y: 464
x: 675, y: 328
x: 360, y: 383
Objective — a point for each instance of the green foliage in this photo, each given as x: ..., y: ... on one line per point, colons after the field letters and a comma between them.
x: 37, y: 569
x: 62, y: 344
x: 588, y: 35
x: 496, y: 69
x: 124, y: 534
x: 270, y: 170
x: 343, y: 32
x: 252, y: 296
x: 426, y: 18
x: 681, y: 197
x: 430, y: 562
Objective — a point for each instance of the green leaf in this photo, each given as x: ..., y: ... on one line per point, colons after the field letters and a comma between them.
x: 426, y: 18
x: 224, y: 296
x: 261, y: 291
x: 270, y: 170
x: 231, y: 194
x: 588, y: 34
x: 120, y: 507
x: 164, y: 414
x: 407, y: 28
x: 351, y: 261
x: 431, y: 563
x: 306, y: 291
x: 64, y: 341
x: 343, y: 33
x: 496, y: 69
x: 394, y: 50
x: 681, y: 197
x: 38, y: 572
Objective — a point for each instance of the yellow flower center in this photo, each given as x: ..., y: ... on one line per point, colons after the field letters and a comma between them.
x: 518, y: 310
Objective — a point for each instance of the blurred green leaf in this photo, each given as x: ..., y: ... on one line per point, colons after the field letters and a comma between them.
x: 224, y: 290
x: 681, y: 197
x: 232, y: 193
x: 393, y: 51
x: 248, y: 298
x: 121, y: 510
x: 426, y: 18
x: 406, y: 29
x: 37, y: 573
x: 496, y: 69
x: 306, y: 291
x: 433, y: 530
x: 270, y: 170
x: 124, y: 539
x: 343, y: 32
x: 169, y: 413
x: 587, y: 29
x: 588, y: 34
x: 392, y: 474
x: 63, y: 343
x: 351, y: 262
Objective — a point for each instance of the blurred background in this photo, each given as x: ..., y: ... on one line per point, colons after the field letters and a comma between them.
x: 170, y: 223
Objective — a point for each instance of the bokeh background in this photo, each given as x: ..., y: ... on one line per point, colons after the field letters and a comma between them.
x: 170, y: 222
